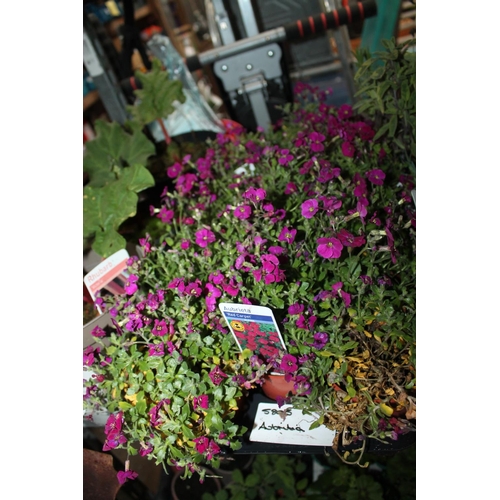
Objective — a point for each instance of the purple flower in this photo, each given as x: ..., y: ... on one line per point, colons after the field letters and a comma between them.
x: 329, y: 248
x: 123, y: 476
x: 174, y: 170
x: 204, y: 237
x: 243, y: 212
x: 160, y: 328
x: 89, y: 356
x: 254, y: 194
x: 217, y: 375
x: 154, y: 416
x: 185, y: 244
x: 212, y: 294
x: 295, y: 308
x: 376, y: 176
x: 302, y: 385
x: 345, y: 111
x: 366, y: 279
x: 156, y: 349
x: 309, y: 208
x: 130, y: 285
x: 287, y: 235
x: 349, y: 240
x: 285, y: 157
x: 98, y: 332
x: 320, y: 340
x: 165, y: 215
x: 216, y: 277
x: 193, y: 288
x: 346, y: 297
x: 316, y: 139
x: 143, y: 451
x: 348, y: 149
x: 200, y: 401
x: 289, y: 363
x: 202, y: 443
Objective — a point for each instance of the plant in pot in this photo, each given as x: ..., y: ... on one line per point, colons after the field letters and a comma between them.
x: 313, y: 219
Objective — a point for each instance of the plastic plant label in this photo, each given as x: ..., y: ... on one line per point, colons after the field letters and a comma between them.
x: 110, y: 274
x: 254, y: 328
x: 287, y: 425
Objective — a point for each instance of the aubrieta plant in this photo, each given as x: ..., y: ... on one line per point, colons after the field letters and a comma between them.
x: 313, y: 219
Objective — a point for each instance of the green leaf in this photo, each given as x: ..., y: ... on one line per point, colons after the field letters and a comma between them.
x: 237, y: 476
x: 114, y: 147
x: 108, y: 242
x: 155, y: 99
x: 136, y: 178
x: 252, y: 480
x: 301, y: 485
x: 317, y: 423
x: 393, y: 123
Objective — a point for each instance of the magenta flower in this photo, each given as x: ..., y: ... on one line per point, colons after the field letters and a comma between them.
x: 193, y: 288
x: 287, y: 235
x: 156, y: 349
x: 289, y: 363
x: 320, y: 340
x: 200, y: 401
x: 213, y: 293
x: 145, y: 245
x: 204, y: 237
x: 202, y: 443
x: 295, y: 308
x: 98, y: 332
x: 160, y: 328
x: 216, y: 277
x: 285, y: 157
x: 302, y: 385
x: 316, y: 142
x: 309, y: 208
x: 154, y: 413
x: 165, y: 215
x: 360, y: 185
x: 185, y: 244
x: 123, y: 476
x: 336, y: 287
x: 349, y: 240
x: 345, y: 111
x: 376, y: 176
x: 254, y: 194
x: 131, y: 285
x: 243, y: 212
x: 329, y: 248
x: 185, y: 183
x: 174, y: 170
x: 217, y: 375
x: 348, y: 149
x: 346, y: 297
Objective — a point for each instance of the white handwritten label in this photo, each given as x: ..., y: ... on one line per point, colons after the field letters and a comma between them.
x: 287, y: 425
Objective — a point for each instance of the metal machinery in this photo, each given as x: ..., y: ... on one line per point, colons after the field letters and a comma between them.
x: 259, y: 79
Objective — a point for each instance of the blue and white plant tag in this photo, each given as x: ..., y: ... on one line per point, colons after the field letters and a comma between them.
x: 254, y: 328
x: 287, y: 425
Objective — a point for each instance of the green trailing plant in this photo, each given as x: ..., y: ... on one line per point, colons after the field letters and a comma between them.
x: 116, y: 162
x: 386, y: 83
x: 271, y: 477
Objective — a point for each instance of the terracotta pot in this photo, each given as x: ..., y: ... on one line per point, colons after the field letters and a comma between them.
x: 275, y: 385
